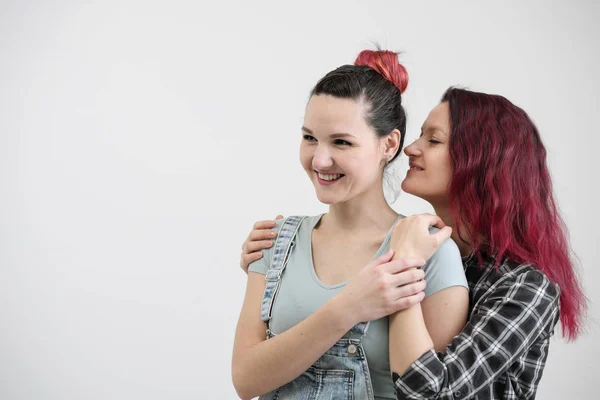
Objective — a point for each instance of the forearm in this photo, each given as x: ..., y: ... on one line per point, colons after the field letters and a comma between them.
x: 279, y: 360
x: 509, y: 319
x: 408, y: 335
x: 408, y: 338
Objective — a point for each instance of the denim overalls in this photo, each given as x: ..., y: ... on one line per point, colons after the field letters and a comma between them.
x: 342, y: 372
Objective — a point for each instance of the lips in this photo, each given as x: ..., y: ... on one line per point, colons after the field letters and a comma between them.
x: 415, y: 167
x: 329, y: 177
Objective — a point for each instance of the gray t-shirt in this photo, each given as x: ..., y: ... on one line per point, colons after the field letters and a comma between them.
x: 302, y: 293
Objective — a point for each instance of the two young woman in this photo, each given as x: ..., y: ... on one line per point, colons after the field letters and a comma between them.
x: 481, y: 164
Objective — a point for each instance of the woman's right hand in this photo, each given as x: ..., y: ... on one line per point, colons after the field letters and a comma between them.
x: 383, y: 287
x: 260, y: 238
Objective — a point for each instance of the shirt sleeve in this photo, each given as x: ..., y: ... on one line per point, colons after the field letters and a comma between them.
x: 501, y: 329
x: 444, y: 269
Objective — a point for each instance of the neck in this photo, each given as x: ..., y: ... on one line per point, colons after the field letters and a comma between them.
x: 364, y: 213
x: 464, y: 244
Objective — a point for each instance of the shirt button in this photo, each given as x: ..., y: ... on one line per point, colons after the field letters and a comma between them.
x: 457, y: 393
x: 352, y: 349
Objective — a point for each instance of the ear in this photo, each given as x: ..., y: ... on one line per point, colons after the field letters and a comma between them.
x: 391, y: 144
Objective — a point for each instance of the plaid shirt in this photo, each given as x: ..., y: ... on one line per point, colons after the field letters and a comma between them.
x: 501, y: 352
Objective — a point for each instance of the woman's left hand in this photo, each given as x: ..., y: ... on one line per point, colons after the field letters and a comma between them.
x: 411, y: 237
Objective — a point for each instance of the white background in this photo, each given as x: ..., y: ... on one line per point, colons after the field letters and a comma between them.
x: 139, y: 141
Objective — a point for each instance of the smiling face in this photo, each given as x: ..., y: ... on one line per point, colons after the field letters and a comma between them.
x: 429, y: 159
x: 341, y: 154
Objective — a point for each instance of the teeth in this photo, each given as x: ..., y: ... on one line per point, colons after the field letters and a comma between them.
x: 329, y: 177
x: 416, y: 169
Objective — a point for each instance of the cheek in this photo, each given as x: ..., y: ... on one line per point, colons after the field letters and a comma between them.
x: 362, y: 168
x: 366, y: 160
x: 305, y: 157
x: 444, y: 171
x: 446, y: 166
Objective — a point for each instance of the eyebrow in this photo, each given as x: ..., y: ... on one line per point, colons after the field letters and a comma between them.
x: 434, y: 128
x: 333, y: 136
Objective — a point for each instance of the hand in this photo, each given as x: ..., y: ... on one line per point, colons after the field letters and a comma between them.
x: 382, y: 288
x: 411, y: 237
x: 260, y: 238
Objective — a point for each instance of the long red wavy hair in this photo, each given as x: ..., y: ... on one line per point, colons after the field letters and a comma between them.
x: 501, y: 191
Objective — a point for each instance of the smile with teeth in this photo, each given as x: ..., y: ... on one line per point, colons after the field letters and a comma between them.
x: 416, y: 169
x: 329, y: 177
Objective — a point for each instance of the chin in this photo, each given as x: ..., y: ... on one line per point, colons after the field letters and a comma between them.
x: 408, y: 188
x: 327, y: 200
x: 331, y: 198
x: 411, y: 190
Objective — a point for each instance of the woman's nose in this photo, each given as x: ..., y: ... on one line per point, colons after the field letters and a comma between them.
x: 412, y: 150
x: 322, y: 158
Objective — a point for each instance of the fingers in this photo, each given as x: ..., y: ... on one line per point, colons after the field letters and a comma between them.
x: 383, y: 259
x: 254, y: 246
x: 433, y: 220
x: 407, y: 277
x: 410, y: 289
x: 441, y: 235
x: 267, y: 224
x: 261, y: 234
x: 406, y: 302
x: 258, y: 239
x: 260, y: 231
x: 279, y: 217
x: 248, y: 259
x: 402, y: 264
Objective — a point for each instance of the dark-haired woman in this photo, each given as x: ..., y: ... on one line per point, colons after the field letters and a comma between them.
x: 314, y: 321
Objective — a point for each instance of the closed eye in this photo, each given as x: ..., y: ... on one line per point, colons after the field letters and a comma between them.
x: 309, y: 138
x: 433, y: 141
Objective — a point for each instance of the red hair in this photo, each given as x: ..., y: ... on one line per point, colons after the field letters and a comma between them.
x: 501, y: 192
x: 386, y: 63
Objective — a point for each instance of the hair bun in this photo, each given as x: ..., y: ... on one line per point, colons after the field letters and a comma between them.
x: 386, y: 63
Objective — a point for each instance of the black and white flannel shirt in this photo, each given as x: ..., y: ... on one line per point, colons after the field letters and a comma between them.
x: 501, y: 352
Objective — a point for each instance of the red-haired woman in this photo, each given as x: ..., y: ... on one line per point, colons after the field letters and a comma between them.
x: 481, y: 163
x: 314, y: 321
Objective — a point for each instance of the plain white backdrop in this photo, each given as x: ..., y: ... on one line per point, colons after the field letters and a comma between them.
x: 140, y: 140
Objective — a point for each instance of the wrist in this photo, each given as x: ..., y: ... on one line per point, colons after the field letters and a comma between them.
x: 340, y: 312
x: 405, y: 254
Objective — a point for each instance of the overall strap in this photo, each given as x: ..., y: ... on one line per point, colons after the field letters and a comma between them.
x: 361, y: 328
x: 282, y: 249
